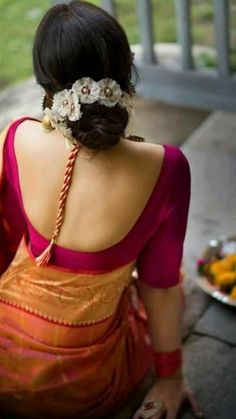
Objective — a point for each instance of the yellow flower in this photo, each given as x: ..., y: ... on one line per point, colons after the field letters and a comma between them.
x: 233, y: 293
x: 220, y: 266
x: 225, y: 278
x: 231, y: 258
x: 216, y: 268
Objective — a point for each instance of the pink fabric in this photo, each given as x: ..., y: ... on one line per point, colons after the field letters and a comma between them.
x: 155, y: 241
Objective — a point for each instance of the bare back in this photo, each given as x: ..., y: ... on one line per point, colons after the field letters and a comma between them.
x: 108, y: 193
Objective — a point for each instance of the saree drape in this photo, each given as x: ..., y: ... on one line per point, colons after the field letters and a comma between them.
x: 71, y: 343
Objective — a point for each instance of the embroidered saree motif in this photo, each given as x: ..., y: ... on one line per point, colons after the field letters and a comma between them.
x: 63, y: 297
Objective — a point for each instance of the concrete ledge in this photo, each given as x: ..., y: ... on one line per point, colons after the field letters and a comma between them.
x: 19, y: 100
x: 157, y: 122
x: 211, y: 152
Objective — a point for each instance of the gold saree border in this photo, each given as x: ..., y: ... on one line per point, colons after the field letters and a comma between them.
x: 66, y: 298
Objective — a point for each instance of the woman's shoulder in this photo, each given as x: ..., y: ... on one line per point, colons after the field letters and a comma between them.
x: 157, y: 167
x: 23, y: 123
x: 26, y: 129
x: 176, y: 158
x: 172, y: 157
x: 31, y: 141
x: 9, y: 135
x: 20, y: 130
x: 144, y: 160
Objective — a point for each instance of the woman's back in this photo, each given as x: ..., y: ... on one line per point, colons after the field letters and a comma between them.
x: 126, y: 209
x: 109, y: 189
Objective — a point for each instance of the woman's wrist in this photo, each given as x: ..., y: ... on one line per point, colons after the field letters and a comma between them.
x: 168, y: 364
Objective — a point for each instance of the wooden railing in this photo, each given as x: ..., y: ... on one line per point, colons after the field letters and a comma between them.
x: 185, y: 85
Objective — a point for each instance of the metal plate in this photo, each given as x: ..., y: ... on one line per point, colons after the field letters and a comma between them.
x: 225, y: 246
x: 214, y: 292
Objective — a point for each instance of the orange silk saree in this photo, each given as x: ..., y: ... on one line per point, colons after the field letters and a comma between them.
x: 71, y: 343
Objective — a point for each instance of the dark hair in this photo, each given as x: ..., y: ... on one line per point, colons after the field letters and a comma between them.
x: 78, y: 40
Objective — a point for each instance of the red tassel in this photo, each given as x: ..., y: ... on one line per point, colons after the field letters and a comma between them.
x: 42, y: 260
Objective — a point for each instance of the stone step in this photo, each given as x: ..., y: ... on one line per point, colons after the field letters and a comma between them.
x: 210, y: 353
x: 211, y: 152
x: 23, y: 99
x: 157, y: 122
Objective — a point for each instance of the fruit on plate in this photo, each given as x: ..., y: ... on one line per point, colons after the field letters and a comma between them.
x: 221, y: 272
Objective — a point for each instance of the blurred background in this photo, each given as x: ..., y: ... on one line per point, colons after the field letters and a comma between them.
x: 19, y: 19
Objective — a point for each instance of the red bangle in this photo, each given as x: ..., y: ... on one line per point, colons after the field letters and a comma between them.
x: 167, y: 363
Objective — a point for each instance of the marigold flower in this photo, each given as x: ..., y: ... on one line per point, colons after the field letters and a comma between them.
x: 225, y: 278
x: 216, y: 268
x: 233, y: 293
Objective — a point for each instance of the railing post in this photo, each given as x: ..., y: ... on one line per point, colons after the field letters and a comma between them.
x: 222, y: 36
x: 183, y: 11
x: 144, y: 8
x: 109, y: 6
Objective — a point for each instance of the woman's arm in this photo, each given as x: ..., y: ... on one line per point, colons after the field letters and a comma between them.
x: 159, y: 267
x: 164, y: 311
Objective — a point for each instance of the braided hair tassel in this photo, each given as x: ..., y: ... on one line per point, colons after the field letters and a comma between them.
x: 43, y: 259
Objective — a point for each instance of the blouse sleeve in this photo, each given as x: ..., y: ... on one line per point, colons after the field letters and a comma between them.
x: 12, y: 223
x: 159, y: 263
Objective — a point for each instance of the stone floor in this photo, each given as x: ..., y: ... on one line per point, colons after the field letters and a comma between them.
x: 209, y: 332
x: 162, y: 123
x: 210, y: 327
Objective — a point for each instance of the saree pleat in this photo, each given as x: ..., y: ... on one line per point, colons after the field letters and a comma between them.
x: 83, y: 363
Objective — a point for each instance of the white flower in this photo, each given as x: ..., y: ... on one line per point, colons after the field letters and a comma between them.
x: 87, y: 90
x: 126, y: 102
x: 51, y: 116
x: 66, y: 105
x: 61, y: 126
x: 64, y: 130
x: 110, y: 92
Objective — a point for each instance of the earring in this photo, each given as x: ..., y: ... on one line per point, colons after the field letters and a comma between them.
x: 46, y: 123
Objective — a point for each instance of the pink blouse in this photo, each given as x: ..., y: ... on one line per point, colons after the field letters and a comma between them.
x: 155, y: 241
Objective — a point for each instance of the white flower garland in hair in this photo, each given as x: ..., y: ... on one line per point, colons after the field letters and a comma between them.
x: 87, y: 89
x: 67, y: 103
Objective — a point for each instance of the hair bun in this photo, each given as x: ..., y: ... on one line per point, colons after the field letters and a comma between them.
x: 92, y: 47
x: 100, y: 127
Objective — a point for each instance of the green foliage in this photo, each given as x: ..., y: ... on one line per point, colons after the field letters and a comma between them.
x: 203, y: 22
x: 203, y: 11
x: 163, y: 20
x: 205, y: 59
x: 233, y: 61
x: 19, y: 19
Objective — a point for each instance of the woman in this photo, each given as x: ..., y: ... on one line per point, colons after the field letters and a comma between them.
x: 81, y: 208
